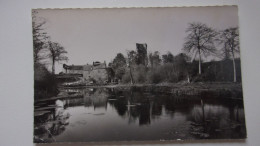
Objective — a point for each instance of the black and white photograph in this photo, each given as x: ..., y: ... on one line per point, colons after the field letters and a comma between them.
x: 137, y: 74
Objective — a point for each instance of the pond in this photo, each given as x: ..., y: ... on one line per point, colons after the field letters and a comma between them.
x: 111, y: 114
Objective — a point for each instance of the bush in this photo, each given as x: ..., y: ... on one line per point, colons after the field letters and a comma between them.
x: 154, y: 76
x: 216, y: 71
x: 139, y: 74
x: 126, y: 77
x: 213, y: 71
x: 166, y: 73
x: 45, y: 84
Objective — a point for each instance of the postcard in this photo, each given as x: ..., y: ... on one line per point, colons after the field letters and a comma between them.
x: 137, y: 74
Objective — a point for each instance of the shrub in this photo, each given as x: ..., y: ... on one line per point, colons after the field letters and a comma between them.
x: 45, y: 84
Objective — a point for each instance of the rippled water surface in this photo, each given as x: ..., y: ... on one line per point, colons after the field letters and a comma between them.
x: 104, y: 114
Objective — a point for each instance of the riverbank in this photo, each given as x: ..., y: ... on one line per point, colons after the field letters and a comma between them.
x: 207, y: 90
x: 205, y: 85
x: 225, y: 89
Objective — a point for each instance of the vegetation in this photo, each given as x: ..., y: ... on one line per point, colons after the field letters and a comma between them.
x: 57, y: 54
x: 201, y: 40
x: 139, y: 66
x: 45, y: 84
x: 39, y: 38
x: 230, y: 40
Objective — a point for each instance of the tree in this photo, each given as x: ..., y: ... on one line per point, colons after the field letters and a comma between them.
x: 154, y: 59
x: 181, y: 66
x: 230, y: 40
x: 181, y: 58
x: 168, y: 58
x: 200, y: 40
x: 118, y: 65
x: 57, y: 54
x: 39, y: 37
x: 141, y: 57
x: 119, y: 61
x: 131, y: 61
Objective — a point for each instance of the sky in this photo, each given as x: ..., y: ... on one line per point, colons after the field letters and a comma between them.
x: 99, y: 34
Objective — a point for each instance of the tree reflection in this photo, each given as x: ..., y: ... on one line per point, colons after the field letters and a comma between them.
x: 55, y: 124
x: 213, y: 120
x: 205, y: 117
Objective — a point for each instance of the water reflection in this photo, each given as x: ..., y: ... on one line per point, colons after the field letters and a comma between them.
x: 104, y: 114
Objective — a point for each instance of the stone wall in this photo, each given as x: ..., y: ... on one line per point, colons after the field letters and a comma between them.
x: 74, y: 71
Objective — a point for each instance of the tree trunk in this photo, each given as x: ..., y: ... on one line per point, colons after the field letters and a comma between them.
x: 53, y: 66
x: 234, y: 67
x: 131, y: 76
x: 199, y: 62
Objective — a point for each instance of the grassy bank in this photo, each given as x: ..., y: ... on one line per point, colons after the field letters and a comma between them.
x: 225, y: 89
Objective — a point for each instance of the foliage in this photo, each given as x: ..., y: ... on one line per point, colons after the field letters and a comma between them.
x: 120, y: 72
x: 119, y: 61
x: 57, y: 54
x: 154, y: 75
x: 141, y: 57
x: 126, y: 77
x: 229, y: 39
x: 218, y: 71
x: 131, y: 61
x: 139, y: 74
x: 155, y: 59
x: 119, y: 65
x: 168, y: 58
x: 45, y: 84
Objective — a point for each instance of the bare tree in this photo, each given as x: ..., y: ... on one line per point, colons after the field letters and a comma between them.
x: 57, y: 54
x: 230, y: 40
x: 39, y: 37
x: 131, y: 58
x: 200, y: 40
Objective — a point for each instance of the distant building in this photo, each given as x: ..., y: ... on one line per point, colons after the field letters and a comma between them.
x: 97, y: 72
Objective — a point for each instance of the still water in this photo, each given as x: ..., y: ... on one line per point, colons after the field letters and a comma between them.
x: 102, y: 114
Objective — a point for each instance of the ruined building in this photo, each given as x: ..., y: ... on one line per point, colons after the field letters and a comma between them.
x: 97, y: 72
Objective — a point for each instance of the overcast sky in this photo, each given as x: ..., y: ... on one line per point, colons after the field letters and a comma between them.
x: 99, y: 34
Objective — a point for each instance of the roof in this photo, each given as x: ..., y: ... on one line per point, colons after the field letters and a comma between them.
x: 73, y: 67
x: 86, y: 67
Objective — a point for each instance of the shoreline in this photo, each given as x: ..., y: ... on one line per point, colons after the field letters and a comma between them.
x: 225, y: 89
x: 205, y: 85
x: 199, y: 84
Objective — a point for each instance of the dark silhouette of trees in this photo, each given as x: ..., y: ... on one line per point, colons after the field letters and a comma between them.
x: 230, y: 40
x: 119, y: 65
x: 57, y: 54
x: 200, y: 40
x: 119, y: 61
x: 155, y: 59
x: 167, y: 58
